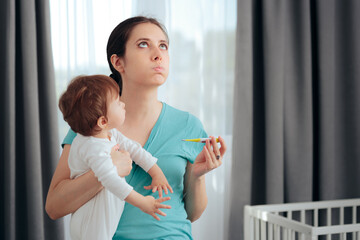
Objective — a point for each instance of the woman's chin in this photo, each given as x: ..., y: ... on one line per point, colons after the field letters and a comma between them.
x: 158, y: 81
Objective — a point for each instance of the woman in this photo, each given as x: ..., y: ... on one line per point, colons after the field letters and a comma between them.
x: 138, y: 57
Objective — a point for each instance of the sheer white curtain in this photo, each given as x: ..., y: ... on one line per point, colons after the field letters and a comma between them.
x: 202, y: 47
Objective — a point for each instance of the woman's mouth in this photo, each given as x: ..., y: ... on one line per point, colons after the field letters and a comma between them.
x: 158, y: 69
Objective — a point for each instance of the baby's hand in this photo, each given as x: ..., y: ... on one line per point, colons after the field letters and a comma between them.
x: 159, y: 183
x: 152, y: 205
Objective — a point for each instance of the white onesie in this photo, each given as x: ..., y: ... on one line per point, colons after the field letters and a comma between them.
x: 99, y: 217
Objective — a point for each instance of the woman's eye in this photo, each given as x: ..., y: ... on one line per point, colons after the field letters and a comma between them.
x: 163, y: 46
x: 143, y: 44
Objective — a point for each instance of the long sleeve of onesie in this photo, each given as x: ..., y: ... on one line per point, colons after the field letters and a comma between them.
x: 137, y: 153
x: 103, y: 168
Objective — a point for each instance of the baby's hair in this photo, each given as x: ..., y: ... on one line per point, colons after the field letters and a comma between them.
x: 85, y: 101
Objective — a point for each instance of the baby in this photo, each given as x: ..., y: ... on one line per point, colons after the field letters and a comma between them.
x: 91, y: 106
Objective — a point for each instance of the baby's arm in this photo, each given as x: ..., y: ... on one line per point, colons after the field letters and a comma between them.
x: 146, y: 161
x: 106, y: 172
x: 101, y: 164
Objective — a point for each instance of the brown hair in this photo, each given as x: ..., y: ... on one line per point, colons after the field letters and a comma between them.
x: 85, y: 101
x: 119, y: 37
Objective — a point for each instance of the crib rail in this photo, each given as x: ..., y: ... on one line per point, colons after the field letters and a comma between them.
x: 322, y: 220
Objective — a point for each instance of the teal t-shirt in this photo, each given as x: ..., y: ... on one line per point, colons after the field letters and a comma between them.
x: 173, y: 154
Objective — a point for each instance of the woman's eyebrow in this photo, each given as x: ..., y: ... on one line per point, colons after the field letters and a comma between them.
x: 164, y: 41
x: 148, y: 39
x: 143, y: 39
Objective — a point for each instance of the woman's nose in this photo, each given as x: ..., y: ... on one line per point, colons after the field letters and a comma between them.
x: 157, y: 56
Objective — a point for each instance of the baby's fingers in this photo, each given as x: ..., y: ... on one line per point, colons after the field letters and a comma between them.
x: 155, y: 216
x: 169, y: 187
x: 148, y: 187
x: 160, y: 200
x: 163, y: 206
x: 159, y: 188
x: 165, y: 187
x: 160, y: 213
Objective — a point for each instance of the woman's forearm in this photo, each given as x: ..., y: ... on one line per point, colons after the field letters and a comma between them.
x: 65, y: 195
x: 69, y: 195
x: 195, y: 195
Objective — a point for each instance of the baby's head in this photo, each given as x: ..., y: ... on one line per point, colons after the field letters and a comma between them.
x: 86, y: 100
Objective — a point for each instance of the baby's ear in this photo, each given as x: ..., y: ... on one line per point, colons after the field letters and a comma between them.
x: 102, y: 122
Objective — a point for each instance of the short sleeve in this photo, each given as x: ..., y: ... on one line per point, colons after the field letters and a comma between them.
x: 195, y: 129
x: 69, y: 138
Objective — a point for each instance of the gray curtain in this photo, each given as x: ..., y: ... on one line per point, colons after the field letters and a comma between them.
x: 29, y: 148
x: 297, y: 104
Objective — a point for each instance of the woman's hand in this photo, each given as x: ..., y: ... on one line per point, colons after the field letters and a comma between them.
x: 195, y: 189
x: 209, y: 158
x: 121, y: 159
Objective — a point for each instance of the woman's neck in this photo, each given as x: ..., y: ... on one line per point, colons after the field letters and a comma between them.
x: 142, y: 111
x: 140, y: 105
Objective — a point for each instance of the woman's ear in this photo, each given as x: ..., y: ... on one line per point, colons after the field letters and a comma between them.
x: 117, y: 62
x: 102, y: 122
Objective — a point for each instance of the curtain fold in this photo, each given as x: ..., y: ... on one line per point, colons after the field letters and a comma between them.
x: 296, y: 104
x: 29, y: 149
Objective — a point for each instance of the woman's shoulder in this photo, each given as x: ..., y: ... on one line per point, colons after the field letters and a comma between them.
x: 180, y: 119
x: 180, y: 115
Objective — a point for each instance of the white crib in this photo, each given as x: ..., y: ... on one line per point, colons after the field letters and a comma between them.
x: 322, y: 220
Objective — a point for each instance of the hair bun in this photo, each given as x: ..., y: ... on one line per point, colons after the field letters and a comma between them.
x: 118, y: 80
x: 113, y: 76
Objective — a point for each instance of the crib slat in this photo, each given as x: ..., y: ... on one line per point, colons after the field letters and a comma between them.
x: 354, y: 221
x: 302, y: 216
x: 270, y: 232
x: 288, y: 231
x: 316, y: 217
x: 257, y: 228
x: 277, y: 232
x: 263, y: 230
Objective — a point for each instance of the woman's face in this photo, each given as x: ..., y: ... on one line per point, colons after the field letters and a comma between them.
x: 146, y: 60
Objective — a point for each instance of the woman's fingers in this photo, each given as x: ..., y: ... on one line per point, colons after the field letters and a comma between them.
x: 212, y: 154
x: 223, y: 146
x: 115, y: 147
x: 208, y: 157
x: 215, y: 148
